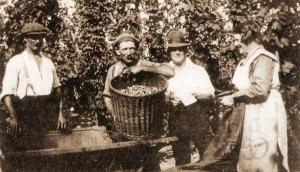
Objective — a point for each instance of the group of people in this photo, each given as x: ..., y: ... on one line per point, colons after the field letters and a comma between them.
x: 256, y: 124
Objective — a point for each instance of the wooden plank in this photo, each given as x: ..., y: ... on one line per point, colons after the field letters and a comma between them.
x: 82, y: 149
x: 92, y: 136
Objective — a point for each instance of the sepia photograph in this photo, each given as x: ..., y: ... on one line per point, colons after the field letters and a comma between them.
x: 150, y: 85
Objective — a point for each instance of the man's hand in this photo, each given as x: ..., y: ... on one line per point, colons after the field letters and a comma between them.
x: 2, y: 158
x: 136, y: 69
x: 227, y: 100
x: 172, y: 98
x: 61, y: 123
x: 13, y: 126
x: 175, y: 100
x: 133, y: 69
x: 200, y: 96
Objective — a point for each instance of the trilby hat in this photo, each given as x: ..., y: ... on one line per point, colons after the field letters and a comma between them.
x: 176, y: 39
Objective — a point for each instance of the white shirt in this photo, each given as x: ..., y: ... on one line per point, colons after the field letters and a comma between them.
x: 41, y: 71
x: 190, y: 78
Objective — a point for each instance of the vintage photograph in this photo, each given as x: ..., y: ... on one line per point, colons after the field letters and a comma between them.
x: 150, y: 85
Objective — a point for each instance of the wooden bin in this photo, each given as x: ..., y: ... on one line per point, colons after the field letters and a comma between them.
x: 91, y: 136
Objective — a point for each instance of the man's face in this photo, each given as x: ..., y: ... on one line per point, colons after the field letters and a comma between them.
x: 34, y: 42
x: 127, y: 51
x: 178, y: 55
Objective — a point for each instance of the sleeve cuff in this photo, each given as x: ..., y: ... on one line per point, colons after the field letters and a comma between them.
x: 4, y: 95
x: 56, y: 85
x: 106, y: 95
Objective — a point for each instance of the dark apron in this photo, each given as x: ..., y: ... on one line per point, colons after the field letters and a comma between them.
x: 36, y: 116
x: 38, y: 113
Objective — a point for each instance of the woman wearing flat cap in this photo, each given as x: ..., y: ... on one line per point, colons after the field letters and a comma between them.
x: 190, y: 91
x: 125, y: 47
x: 30, y: 78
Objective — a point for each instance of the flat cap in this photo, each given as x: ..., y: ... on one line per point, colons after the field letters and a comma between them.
x: 34, y: 29
x: 126, y: 37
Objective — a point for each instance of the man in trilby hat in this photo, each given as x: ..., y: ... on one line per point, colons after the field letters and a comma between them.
x: 189, y: 92
x: 30, y: 78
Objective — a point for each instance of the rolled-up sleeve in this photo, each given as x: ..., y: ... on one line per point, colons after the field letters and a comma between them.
x: 148, y: 63
x: 204, y: 85
x: 108, y: 79
x: 10, y: 80
x: 261, y: 74
x: 56, y: 82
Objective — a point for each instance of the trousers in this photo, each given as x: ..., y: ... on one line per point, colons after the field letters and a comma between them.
x: 189, y: 123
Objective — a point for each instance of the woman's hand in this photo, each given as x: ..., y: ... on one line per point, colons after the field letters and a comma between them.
x: 227, y: 100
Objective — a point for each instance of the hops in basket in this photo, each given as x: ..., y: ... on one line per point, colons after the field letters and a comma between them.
x: 140, y: 90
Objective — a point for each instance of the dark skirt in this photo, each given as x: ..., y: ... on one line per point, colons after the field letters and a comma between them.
x: 228, y: 137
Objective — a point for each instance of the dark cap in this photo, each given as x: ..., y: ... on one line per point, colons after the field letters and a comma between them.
x: 34, y: 29
x: 176, y: 39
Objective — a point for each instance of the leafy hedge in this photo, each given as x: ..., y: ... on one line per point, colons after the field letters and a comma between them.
x: 80, y: 44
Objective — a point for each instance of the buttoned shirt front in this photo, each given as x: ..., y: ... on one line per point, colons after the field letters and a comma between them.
x: 41, y: 75
x: 189, y: 78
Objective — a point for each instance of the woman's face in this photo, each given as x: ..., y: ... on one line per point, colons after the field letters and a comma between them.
x: 237, y: 42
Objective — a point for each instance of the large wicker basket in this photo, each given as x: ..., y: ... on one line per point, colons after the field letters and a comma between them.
x: 138, y: 117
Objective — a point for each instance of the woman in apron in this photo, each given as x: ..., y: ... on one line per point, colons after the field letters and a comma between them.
x: 257, y: 125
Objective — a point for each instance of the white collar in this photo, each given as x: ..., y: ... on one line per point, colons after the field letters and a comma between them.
x: 186, y: 63
x: 28, y: 55
x: 258, y: 51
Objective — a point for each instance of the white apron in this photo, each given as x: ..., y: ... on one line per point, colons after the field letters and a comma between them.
x: 265, y: 124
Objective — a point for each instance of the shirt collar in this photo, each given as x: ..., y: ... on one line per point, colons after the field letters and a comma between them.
x: 27, y: 55
x: 187, y: 63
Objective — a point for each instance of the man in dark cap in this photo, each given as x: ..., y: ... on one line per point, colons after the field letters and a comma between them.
x: 189, y: 91
x: 125, y: 47
x: 30, y: 78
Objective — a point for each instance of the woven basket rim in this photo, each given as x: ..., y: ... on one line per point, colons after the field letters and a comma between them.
x: 142, y: 96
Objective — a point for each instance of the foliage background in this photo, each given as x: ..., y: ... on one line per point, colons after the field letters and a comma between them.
x: 82, y: 33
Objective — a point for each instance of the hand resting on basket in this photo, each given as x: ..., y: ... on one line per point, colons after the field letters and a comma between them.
x: 133, y: 69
